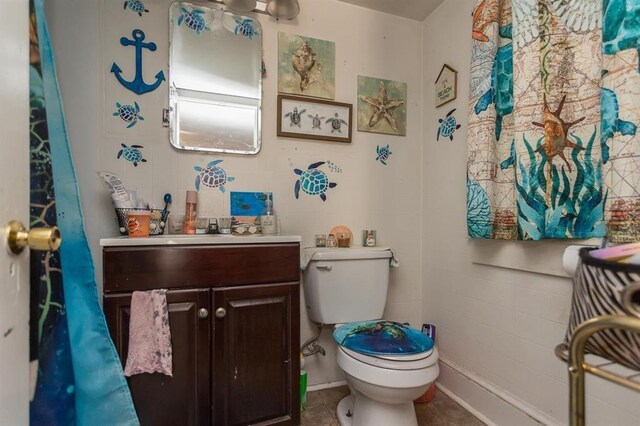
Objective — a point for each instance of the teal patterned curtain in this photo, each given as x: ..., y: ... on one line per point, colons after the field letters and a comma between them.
x: 553, y: 114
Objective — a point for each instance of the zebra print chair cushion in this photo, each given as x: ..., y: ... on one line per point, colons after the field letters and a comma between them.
x: 597, y: 291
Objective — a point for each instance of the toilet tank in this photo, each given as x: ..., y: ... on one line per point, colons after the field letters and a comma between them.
x: 346, y: 285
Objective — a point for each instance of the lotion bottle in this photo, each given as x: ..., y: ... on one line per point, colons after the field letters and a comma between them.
x: 268, y: 219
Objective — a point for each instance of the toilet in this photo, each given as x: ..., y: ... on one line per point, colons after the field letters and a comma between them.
x: 387, y: 365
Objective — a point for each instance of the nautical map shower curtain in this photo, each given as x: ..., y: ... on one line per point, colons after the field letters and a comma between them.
x: 554, y: 149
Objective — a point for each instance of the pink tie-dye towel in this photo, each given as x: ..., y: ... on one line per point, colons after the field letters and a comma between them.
x: 149, y: 334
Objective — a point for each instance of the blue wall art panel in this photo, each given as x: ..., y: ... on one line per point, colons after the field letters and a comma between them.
x: 248, y: 203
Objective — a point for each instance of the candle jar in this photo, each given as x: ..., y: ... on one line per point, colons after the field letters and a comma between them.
x: 321, y: 240
x: 369, y: 238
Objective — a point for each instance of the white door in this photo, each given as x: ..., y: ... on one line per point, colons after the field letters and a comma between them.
x: 14, y: 205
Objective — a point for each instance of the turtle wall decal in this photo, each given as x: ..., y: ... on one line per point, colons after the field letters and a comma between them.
x: 383, y: 154
x: 193, y: 20
x: 313, y: 181
x: 132, y: 154
x: 448, y: 125
x: 136, y: 6
x: 212, y: 176
x: 128, y: 113
x: 246, y: 28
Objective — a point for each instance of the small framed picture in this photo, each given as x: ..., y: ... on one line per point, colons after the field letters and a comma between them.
x: 446, y: 85
x: 315, y: 119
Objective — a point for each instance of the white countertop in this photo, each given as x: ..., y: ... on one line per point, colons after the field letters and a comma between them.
x: 205, y: 239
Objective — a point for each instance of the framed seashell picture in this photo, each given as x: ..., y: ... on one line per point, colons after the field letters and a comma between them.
x: 306, y: 66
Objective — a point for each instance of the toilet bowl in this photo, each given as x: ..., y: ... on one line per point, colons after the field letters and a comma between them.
x: 387, y: 365
x: 383, y: 387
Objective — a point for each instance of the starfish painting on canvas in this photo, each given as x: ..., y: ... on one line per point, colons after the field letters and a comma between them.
x: 382, y: 110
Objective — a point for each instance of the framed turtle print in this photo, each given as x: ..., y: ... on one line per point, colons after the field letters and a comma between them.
x: 382, y: 106
x: 315, y: 119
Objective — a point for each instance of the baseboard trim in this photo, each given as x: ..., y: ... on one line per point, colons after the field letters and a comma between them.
x: 321, y: 386
x: 484, y: 419
x: 508, y: 405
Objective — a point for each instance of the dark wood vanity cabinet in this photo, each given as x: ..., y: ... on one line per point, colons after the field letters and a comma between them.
x: 235, y: 337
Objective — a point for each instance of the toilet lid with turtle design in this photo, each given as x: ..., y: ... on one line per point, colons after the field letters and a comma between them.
x: 382, y: 338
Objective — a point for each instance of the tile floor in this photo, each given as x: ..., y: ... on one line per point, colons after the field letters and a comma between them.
x: 441, y: 411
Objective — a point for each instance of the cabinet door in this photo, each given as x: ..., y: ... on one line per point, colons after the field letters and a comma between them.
x: 256, y: 355
x: 183, y: 399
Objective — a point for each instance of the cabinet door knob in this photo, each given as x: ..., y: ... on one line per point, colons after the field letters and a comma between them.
x: 203, y: 313
x: 221, y: 312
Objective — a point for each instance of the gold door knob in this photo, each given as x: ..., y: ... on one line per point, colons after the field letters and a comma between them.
x: 41, y: 239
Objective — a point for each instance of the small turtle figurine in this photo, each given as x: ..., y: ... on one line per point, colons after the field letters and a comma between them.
x: 128, y: 113
x: 316, y: 120
x: 336, y: 123
x: 295, y: 116
x: 212, y: 176
x: 132, y: 153
x: 313, y: 181
x: 383, y: 154
x: 136, y: 6
x: 245, y: 28
x: 193, y: 20
x: 448, y: 126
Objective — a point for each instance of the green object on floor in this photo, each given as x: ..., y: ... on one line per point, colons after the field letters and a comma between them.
x: 303, y: 384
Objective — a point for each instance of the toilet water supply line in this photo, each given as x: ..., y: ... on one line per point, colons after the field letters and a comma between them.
x: 311, y: 346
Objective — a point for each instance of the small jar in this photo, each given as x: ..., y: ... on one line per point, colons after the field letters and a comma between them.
x: 202, y: 225
x: 369, y: 238
x: 176, y: 224
x: 321, y: 240
x: 332, y: 241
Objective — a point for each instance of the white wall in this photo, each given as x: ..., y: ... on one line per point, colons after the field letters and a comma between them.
x: 368, y: 196
x: 497, y: 325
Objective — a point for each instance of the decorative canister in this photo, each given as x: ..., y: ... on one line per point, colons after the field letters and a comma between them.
x: 369, y: 238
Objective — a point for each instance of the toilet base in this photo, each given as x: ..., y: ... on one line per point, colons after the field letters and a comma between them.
x: 359, y: 410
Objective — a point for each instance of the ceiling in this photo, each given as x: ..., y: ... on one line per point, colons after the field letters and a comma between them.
x: 414, y: 9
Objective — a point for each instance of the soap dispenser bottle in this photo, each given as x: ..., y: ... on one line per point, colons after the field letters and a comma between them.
x: 268, y: 219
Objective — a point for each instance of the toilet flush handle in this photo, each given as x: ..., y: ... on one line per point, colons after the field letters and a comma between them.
x: 325, y: 267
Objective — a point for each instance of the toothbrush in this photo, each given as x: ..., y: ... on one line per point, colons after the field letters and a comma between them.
x: 167, y: 202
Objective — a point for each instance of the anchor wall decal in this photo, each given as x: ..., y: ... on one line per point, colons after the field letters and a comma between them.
x: 138, y: 85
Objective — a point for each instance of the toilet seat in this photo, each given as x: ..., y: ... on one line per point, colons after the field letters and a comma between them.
x: 384, y: 340
x: 398, y: 362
